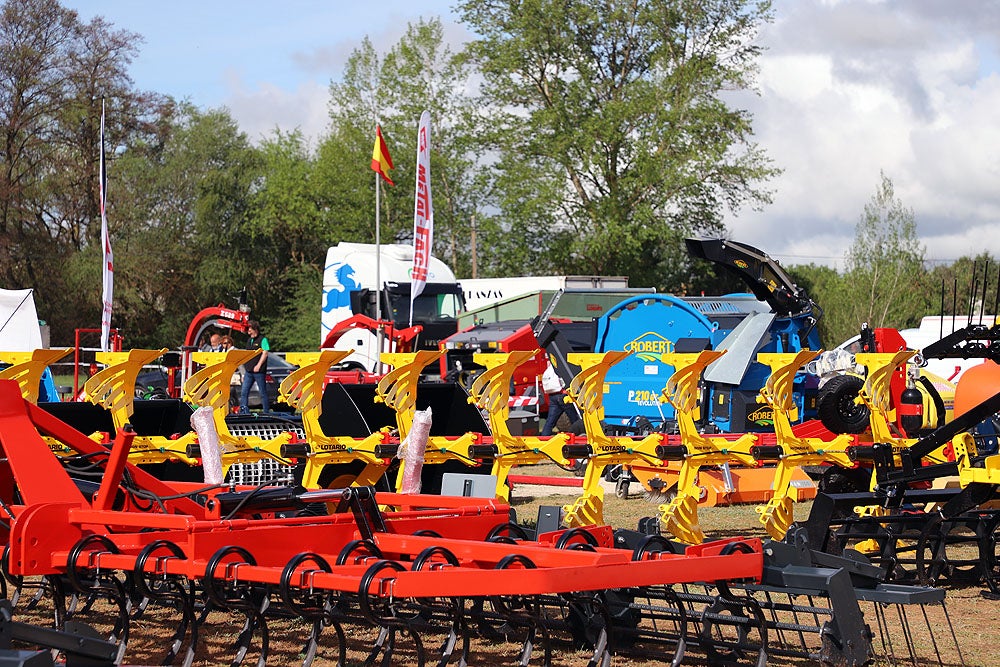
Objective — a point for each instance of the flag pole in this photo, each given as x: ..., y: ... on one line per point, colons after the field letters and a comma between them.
x: 107, y: 256
x: 379, y: 332
x: 381, y: 164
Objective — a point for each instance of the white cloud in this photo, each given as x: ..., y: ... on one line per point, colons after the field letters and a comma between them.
x: 265, y: 107
x: 853, y: 88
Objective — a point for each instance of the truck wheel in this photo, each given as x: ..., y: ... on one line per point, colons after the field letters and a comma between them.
x: 836, y: 407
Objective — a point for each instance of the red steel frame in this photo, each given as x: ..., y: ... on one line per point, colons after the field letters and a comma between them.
x: 55, y: 516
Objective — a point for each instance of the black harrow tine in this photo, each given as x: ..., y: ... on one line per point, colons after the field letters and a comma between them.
x: 883, y: 632
x: 951, y: 628
x: 904, y: 625
x: 930, y: 633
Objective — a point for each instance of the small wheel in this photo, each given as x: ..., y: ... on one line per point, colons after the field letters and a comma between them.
x: 621, y: 488
x: 837, y: 408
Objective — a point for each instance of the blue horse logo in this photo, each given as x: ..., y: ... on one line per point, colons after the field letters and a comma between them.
x: 339, y: 294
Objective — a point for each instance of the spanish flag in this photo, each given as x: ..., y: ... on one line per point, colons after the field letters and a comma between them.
x: 381, y: 162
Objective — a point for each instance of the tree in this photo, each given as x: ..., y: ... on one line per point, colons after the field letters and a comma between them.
x: 419, y: 73
x: 612, y: 137
x: 827, y: 288
x: 54, y: 73
x: 967, y: 288
x: 885, y: 280
x: 356, y: 106
x: 182, y: 241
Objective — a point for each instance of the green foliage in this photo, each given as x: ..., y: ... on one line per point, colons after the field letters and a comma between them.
x: 54, y: 72
x: 613, y: 110
x: 827, y: 288
x: 968, y: 287
x: 297, y: 325
x: 179, y: 225
x: 885, y: 265
x: 885, y: 283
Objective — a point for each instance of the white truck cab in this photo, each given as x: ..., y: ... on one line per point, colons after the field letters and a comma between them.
x: 350, y: 288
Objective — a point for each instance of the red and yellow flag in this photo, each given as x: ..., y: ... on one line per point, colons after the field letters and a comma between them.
x: 381, y: 162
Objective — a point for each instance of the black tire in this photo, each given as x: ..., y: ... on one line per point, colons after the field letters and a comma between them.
x: 844, y: 480
x: 836, y: 407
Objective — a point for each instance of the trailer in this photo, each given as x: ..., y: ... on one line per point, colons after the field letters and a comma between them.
x: 482, y: 292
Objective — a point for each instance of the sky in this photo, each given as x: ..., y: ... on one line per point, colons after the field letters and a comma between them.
x: 848, y: 90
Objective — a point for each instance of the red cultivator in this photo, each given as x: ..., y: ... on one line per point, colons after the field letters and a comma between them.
x: 411, y: 566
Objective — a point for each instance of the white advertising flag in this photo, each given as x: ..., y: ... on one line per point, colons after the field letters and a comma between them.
x: 423, y: 212
x: 108, y: 270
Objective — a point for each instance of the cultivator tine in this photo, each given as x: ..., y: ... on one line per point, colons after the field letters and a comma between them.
x: 169, y: 590
x: 301, y: 598
x: 86, y: 577
x: 230, y: 593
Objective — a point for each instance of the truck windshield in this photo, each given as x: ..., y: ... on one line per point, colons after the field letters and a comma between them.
x: 426, y: 309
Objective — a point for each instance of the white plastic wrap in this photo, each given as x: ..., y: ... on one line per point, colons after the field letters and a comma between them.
x: 412, y: 449
x: 832, y: 362
x: 203, y: 423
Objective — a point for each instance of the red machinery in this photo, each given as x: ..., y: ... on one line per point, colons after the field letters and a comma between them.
x: 415, y: 571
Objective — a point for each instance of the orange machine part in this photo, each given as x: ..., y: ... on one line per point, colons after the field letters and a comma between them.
x: 976, y: 385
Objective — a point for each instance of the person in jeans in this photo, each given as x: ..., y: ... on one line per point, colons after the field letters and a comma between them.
x: 255, y: 370
x: 555, y: 389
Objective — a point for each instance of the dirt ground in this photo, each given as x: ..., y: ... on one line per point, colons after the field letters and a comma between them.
x: 964, y: 629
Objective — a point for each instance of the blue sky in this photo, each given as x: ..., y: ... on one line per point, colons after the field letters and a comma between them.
x: 848, y: 89
x: 244, y: 53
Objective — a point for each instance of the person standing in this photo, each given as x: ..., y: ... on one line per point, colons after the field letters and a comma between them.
x: 255, y: 370
x: 555, y: 390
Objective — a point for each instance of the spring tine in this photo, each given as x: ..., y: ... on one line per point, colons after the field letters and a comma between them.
x: 254, y: 620
x: 36, y: 599
x: 390, y: 646
x: 448, y: 647
x: 418, y: 646
x: 195, y: 631
x: 601, y: 656
x: 312, y: 643
x: 243, y: 642
x: 384, y: 640
x: 527, y: 647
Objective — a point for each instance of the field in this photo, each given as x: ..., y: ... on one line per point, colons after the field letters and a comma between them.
x: 972, y: 615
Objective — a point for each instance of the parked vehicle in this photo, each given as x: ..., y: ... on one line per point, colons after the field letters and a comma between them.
x: 277, y: 370
x: 482, y: 292
x: 364, y: 283
x: 154, y: 383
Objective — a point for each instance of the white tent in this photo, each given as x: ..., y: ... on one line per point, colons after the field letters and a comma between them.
x: 19, y: 330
